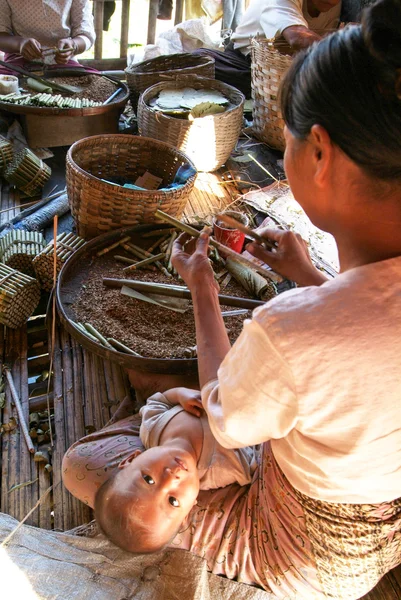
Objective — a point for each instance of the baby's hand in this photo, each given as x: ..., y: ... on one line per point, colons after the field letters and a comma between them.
x: 190, y: 400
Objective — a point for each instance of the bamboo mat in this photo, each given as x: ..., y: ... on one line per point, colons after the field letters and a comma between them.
x: 209, y: 196
x: 81, y: 404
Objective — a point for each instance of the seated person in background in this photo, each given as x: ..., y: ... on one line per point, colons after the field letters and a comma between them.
x: 299, y: 22
x: 28, y: 28
x: 144, y: 502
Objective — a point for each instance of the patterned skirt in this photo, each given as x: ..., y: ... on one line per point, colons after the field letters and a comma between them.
x: 297, y: 548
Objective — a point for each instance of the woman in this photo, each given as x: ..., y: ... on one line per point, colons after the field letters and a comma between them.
x: 315, y: 374
x: 28, y: 30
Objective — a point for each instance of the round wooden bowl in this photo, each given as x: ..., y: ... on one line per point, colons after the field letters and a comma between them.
x: 69, y: 283
x: 119, y: 102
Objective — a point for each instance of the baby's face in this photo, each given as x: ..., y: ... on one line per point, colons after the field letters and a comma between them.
x: 163, y: 484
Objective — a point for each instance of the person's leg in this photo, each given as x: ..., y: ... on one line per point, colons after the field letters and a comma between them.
x: 232, y: 67
x: 147, y: 384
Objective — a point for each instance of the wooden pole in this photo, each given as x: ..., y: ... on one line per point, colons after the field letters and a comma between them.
x: 178, y: 291
x: 20, y: 412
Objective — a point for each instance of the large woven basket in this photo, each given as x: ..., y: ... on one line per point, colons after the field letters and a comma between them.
x: 147, y: 73
x: 269, y: 66
x: 99, y: 206
x: 208, y: 141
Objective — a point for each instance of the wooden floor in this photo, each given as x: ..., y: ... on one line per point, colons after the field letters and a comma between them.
x: 84, y: 393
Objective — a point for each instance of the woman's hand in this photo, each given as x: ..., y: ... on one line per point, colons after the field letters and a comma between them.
x: 69, y: 49
x: 291, y: 257
x: 190, y: 259
x: 30, y: 49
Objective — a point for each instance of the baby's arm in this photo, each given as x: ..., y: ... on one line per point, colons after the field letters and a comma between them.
x: 190, y: 400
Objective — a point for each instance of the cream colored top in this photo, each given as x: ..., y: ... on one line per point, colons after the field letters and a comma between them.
x: 48, y: 21
x: 217, y: 466
x: 318, y: 371
x: 269, y: 18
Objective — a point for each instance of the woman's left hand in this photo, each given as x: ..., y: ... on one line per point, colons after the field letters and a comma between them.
x: 69, y: 48
x: 190, y: 259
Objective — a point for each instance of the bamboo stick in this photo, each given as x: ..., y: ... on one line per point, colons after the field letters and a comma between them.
x: 145, y: 262
x: 124, y: 259
x: 227, y: 251
x: 158, y: 243
x: 156, y: 232
x: 20, y: 412
x: 177, y: 291
x: 112, y: 246
x: 122, y: 347
x: 247, y: 230
x: 97, y: 335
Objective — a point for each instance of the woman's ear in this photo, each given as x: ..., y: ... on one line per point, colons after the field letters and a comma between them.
x: 322, y: 148
x: 126, y: 461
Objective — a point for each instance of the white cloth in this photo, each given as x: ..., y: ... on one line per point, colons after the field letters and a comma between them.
x: 217, y: 466
x: 269, y: 18
x: 318, y: 372
x: 48, y: 21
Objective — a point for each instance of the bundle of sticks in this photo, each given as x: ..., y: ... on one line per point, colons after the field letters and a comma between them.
x: 48, y: 100
x: 18, y: 248
x: 43, y: 263
x: 6, y: 153
x: 27, y: 172
x: 19, y: 296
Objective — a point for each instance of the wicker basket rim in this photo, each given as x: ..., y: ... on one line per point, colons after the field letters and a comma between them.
x: 142, y: 67
x: 151, y: 91
x: 126, y: 138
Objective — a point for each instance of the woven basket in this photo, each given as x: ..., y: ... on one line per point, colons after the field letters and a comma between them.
x: 208, y: 141
x: 98, y: 206
x: 269, y: 66
x: 147, y: 73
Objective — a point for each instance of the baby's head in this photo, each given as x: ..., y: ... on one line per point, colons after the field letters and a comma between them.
x: 141, y: 507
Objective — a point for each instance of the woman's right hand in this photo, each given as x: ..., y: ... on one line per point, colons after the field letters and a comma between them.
x: 30, y: 49
x: 291, y: 257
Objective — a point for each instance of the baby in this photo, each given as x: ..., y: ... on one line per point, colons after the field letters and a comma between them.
x: 142, y: 506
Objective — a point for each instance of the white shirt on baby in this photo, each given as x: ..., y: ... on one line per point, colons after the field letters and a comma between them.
x: 269, y: 18
x: 318, y: 372
x: 217, y: 466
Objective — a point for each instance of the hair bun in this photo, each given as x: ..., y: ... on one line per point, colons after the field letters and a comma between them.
x: 381, y: 26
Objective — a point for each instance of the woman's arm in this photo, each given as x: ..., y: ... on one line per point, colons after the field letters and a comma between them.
x: 211, y: 335
x: 29, y: 48
x: 81, y: 23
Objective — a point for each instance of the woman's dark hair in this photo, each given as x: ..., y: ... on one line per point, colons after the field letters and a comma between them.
x: 350, y: 83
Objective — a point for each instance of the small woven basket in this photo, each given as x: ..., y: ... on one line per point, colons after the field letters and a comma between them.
x: 27, y: 172
x: 18, y: 249
x: 269, y: 66
x: 147, y: 73
x: 43, y: 263
x: 6, y: 153
x: 19, y: 296
x: 208, y: 141
x: 99, y: 206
